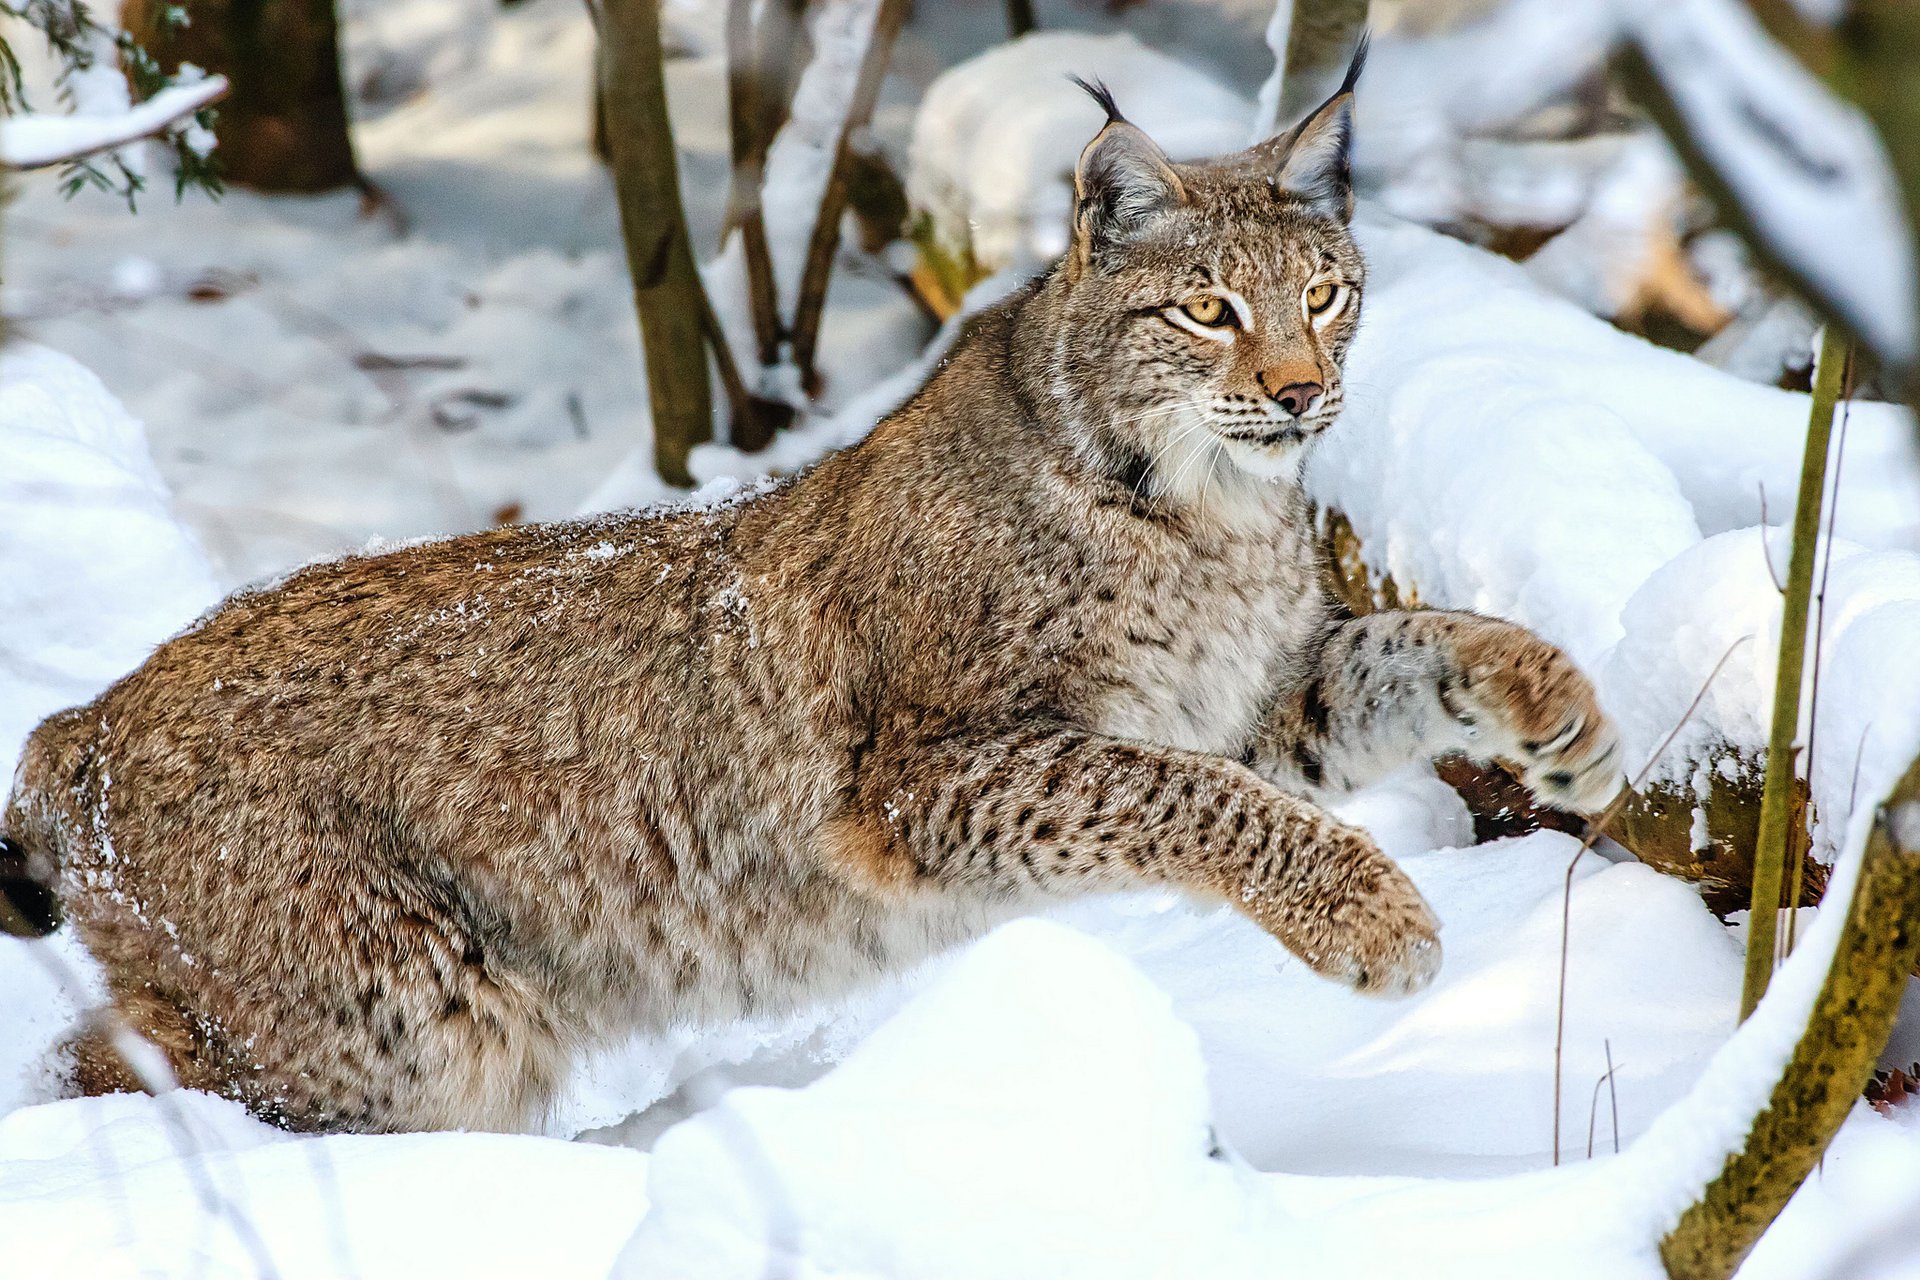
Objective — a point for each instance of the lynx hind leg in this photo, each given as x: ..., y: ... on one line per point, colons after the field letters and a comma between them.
x: 403, y: 1047
x: 1526, y: 702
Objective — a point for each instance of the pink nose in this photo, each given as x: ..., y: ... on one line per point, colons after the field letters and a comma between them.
x: 1298, y: 398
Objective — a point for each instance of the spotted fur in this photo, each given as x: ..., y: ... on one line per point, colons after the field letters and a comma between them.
x: 385, y: 845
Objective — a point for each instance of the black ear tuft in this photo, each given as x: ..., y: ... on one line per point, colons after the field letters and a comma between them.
x: 1314, y: 159
x: 1102, y: 95
x: 1358, y: 64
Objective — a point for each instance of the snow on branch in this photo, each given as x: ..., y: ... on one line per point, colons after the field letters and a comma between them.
x: 1806, y: 168
x: 38, y: 141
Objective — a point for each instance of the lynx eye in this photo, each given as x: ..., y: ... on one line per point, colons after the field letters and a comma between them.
x: 1321, y: 296
x: 1207, y: 309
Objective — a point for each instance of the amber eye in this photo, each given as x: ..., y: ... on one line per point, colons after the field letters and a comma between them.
x: 1208, y: 309
x: 1320, y: 297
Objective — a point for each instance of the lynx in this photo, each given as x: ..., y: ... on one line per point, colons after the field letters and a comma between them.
x: 384, y: 846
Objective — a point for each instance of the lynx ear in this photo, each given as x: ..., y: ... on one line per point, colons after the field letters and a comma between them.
x: 1122, y: 179
x: 1312, y: 162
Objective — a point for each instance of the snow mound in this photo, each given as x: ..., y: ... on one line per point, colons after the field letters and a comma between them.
x: 188, y: 1184
x: 100, y: 569
x: 1471, y: 469
x: 1719, y: 600
x: 997, y: 1099
x: 996, y: 140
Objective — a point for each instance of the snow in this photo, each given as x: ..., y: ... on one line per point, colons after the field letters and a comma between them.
x: 1137, y: 1086
x: 122, y: 1186
x: 995, y: 143
x: 33, y: 141
x: 112, y: 570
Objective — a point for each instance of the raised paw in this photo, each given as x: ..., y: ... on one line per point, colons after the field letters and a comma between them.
x: 1524, y: 702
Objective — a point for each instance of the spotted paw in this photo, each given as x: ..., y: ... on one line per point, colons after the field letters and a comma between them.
x: 1523, y: 701
x: 1369, y: 928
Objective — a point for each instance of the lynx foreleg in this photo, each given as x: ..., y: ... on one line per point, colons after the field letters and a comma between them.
x: 1395, y: 687
x: 1054, y: 811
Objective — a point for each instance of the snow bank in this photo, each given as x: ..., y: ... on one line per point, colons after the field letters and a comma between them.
x: 1720, y: 599
x: 189, y: 1185
x: 99, y: 571
x: 1468, y: 467
x: 1056, y: 1102
x: 996, y: 140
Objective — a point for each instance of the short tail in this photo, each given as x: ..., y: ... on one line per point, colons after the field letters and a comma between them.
x: 28, y: 908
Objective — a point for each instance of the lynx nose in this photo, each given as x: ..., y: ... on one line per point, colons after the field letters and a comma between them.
x: 1297, y: 398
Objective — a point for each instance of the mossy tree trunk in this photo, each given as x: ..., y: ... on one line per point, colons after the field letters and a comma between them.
x: 1845, y: 1033
x: 283, y: 125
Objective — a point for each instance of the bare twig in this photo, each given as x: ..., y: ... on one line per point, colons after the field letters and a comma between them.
x: 1766, y: 552
x: 1593, y: 1106
x: 1595, y: 830
x: 1613, y: 1095
x: 833, y: 201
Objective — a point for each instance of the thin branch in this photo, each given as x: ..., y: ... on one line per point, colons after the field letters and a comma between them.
x: 1770, y: 855
x: 1613, y: 1095
x: 1766, y: 552
x: 833, y: 201
x: 1593, y: 1107
x: 748, y: 70
x: 42, y: 141
x: 1803, y: 833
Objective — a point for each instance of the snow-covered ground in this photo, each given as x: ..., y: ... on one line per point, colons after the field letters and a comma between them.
x: 1137, y: 1087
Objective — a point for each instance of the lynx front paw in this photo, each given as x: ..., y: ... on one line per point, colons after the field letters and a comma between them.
x: 1370, y: 928
x: 1525, y: 702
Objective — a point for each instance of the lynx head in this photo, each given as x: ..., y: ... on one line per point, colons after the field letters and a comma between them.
x: 1208, y: 306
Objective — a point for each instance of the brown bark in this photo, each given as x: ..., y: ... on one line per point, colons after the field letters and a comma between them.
x: 667, y: 290
x: 1320, y: 41
x: 283, y: 125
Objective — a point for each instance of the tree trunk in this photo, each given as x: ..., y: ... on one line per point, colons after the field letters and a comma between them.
x: 1320, y: 42
x: 283, y: 125
x: 667, y: 290
x: 1845, y: 1033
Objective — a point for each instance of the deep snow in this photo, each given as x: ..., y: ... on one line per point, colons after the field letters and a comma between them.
x: 1140, y: 1086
